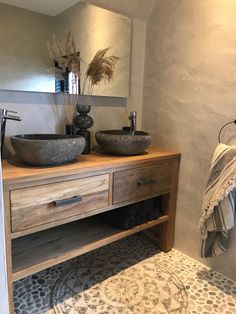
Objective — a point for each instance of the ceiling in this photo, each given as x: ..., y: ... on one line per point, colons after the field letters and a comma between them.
x: 49, y: 7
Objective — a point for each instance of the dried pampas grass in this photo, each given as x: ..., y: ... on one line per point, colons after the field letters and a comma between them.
x: 100, y: 69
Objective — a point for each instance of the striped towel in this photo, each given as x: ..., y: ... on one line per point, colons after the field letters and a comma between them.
x: 218, y: 210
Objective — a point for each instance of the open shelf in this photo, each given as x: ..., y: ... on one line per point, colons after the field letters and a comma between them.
x: 47, y: 248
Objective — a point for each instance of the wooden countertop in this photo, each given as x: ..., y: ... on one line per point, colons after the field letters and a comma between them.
x: 14, y: 171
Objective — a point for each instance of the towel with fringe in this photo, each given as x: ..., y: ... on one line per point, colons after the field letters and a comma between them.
x: 218, y: 210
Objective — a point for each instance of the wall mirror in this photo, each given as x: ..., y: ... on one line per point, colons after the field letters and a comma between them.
x: 27, y: 26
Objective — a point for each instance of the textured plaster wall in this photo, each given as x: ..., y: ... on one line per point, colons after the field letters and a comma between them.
x: 24, y: 61
x: 189, y: 93
x: 95, y: 28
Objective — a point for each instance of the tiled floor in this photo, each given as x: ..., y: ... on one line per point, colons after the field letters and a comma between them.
x: 209, y: 291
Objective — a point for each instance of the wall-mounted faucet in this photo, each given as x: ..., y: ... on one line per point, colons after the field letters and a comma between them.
x: 4, y: 116
x: 132, y: 117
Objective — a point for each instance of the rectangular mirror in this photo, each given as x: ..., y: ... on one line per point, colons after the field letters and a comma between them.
x: 27, y: 26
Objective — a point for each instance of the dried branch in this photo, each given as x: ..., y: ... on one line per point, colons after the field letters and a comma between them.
x: 69, y: 106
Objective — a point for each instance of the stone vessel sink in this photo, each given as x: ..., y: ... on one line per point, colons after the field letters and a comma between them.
x: 121, y: 142
x: 47, y: 149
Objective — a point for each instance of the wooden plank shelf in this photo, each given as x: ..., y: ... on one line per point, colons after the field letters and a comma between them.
x: 47, y: 248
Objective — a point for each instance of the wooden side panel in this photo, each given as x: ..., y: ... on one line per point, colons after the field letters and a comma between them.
x: 34, y: 206
x: 142, y: 182
x: 6, y: 292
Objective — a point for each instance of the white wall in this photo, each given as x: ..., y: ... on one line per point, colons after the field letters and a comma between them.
x: 189, y: 93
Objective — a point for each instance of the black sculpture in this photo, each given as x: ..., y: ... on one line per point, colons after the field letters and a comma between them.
x: 83, y: 121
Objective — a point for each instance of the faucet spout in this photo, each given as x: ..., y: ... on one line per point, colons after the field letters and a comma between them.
x: 132, y: 117
x: 11, y: 117
x: 4, y: 114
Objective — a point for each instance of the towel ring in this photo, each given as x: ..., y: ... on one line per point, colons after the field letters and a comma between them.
x: 234, y: 121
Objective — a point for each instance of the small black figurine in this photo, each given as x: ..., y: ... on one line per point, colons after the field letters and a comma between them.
x: 83, y: 121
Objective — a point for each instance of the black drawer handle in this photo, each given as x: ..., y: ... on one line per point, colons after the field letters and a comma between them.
x: 66, y: 201
x: 147, y: 182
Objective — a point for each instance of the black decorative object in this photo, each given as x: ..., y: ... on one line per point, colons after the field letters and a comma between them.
x: 83, y: 121
x: 69, y: 129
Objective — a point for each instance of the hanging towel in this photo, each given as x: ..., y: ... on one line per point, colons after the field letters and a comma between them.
x: 218, y: 210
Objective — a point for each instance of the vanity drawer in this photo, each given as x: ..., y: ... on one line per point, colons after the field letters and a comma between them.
x: 142, y: 182
x: 38, y: 205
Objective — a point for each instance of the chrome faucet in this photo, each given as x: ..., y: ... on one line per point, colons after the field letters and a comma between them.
x: 132, y: 117
x: 4, y: 116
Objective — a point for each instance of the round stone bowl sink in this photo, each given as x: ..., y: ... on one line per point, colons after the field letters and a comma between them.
x: 47, y: 149
x: 121, y: 142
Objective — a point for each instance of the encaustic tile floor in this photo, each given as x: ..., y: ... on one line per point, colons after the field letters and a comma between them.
x: 208, y: 291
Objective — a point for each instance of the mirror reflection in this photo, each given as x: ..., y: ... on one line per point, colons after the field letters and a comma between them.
x: 27, y: 64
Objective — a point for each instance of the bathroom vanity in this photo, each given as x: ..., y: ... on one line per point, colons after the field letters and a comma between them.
x: 50, y: 213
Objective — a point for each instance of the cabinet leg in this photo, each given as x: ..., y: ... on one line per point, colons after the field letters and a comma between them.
x: 167, y: 229
x: 168, y: 205
x: 10, y: 298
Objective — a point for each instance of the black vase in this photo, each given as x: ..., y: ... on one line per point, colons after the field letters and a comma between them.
x: 83, y: 121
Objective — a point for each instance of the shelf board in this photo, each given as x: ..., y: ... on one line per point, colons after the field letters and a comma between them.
x: 47, y: 248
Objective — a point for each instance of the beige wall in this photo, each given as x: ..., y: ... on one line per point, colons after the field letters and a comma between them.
x: 95, y: 28
x: 189, y: 93
x: 24, y: 61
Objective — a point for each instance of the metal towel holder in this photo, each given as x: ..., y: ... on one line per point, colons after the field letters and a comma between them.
x: 230, y: 122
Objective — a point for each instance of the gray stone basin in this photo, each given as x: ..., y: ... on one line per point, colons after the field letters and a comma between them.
x: 121, y: 142
x: 47, y: 149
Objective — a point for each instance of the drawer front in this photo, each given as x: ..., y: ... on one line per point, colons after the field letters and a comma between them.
x: 139, y: 183
x: 34, y: 206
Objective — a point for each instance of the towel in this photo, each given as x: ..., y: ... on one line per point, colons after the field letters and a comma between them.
x: 124, y: 217
x: 218, y: 209
x: 150, y: 209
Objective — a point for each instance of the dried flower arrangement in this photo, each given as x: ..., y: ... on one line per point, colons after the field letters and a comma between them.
x: 67, y: 59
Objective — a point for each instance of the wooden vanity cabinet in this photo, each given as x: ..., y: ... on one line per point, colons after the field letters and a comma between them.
x: 50, y: 213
